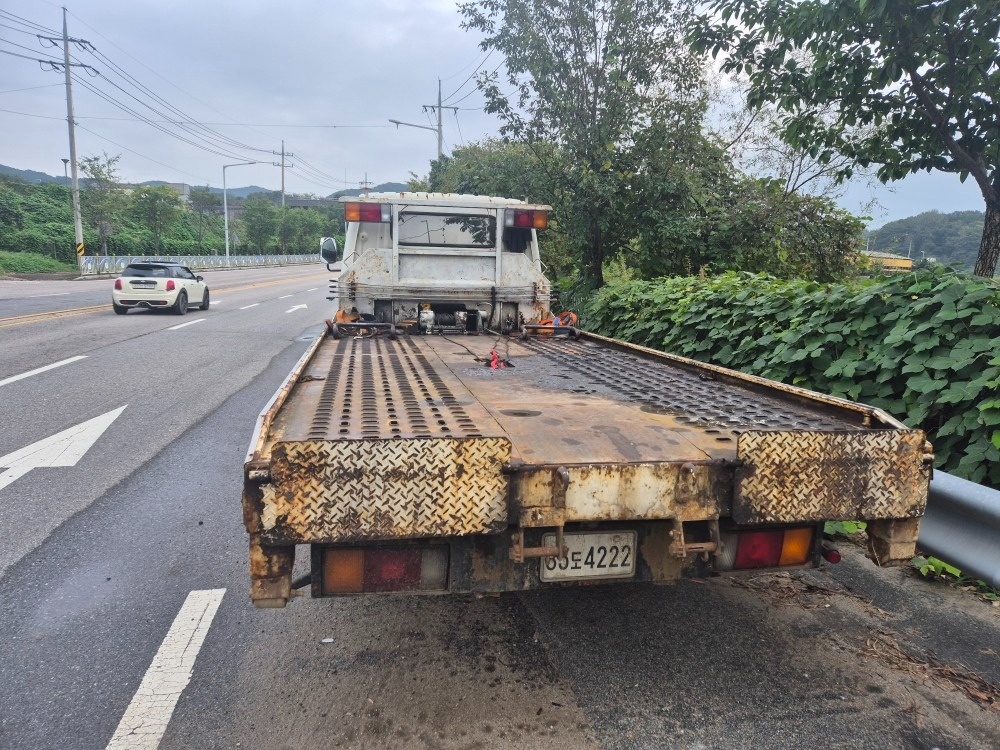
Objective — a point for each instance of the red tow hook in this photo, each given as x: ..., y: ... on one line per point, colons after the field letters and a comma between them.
x: 831, y: 555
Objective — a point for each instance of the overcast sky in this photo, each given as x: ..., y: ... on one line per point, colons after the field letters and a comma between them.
x: 259, y: 71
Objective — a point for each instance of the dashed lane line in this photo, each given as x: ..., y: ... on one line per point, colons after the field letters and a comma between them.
x: 247, y: 307
x: 184, y: 325
x: 54, y: 365
x: 285, y: 296
x: 147, y: 716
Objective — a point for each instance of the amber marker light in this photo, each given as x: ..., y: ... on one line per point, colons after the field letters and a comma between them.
x: 343, y: 571
x: 796, y: 546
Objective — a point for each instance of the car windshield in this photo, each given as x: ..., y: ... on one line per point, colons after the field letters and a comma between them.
x: 158, y: 272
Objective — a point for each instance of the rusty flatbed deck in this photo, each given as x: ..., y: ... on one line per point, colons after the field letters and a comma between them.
x: 374, y: 438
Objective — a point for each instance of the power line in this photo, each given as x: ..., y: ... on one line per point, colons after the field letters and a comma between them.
x: 148, y: 158
x: 25, y: 22
x: 160, y: 76
x: 131, y: 80
x: 481, y: 64
x: 31, y: 114
x: 103, y: 95
x: 33, y: 59
x: 31, y: 88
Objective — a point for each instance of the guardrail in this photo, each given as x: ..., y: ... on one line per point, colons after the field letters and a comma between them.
x: 962, y: 527
x: 93, y: 265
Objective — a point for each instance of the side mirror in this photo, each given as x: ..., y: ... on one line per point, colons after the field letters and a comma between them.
x: 199, y: 278
x: 328, y: 250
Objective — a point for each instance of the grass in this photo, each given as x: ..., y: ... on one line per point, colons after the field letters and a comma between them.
x: 32, y: 263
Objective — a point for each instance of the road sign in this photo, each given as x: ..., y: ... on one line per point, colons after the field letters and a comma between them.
x: 80, y: 249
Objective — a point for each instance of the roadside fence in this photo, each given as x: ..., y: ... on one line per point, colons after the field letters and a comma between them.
x: 962, y: 527
x: 94, y: 265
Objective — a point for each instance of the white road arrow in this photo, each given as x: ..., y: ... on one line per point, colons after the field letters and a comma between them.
x: 64, y: 448
x: 296, y: 307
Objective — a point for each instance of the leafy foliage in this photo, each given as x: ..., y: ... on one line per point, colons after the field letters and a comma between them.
x: 914, y: 84
x: 925, y: 347
x: 587, y: 77
x: 38, y: 218
x: 31, y: 263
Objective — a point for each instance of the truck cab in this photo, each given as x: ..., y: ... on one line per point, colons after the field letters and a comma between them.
x: 442, y: 263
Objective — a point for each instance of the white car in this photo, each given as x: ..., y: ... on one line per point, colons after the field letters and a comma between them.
x: 159, y: 286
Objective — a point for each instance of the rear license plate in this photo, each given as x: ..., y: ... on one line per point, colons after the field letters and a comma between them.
x: 597, y: 555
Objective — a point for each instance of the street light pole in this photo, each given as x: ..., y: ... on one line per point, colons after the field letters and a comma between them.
x: 225, y: 202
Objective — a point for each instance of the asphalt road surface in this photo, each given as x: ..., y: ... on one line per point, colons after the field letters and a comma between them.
x: 126, y: 622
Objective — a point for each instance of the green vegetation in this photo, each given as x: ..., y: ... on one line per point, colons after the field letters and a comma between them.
x: 147, y: 220
x: 925, y: 347
x: 951, y: 239
x: 32, y: 263
x: 906, y: 86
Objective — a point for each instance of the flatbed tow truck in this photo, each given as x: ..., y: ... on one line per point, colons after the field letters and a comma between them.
x: 447, y: 435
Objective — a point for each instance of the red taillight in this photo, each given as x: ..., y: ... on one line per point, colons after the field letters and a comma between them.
x: 392, y: 569
x: 376, y: 213
x: 170, y: 285
x: 526, y: 219
x: 118, y: 285
x: 356, y: 570
x: 758, y: 549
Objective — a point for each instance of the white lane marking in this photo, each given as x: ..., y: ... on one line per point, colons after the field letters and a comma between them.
x: 56, y: 294
x: 249, y: 306
x: 147, y: 716
x: 54, y: 365
x: 64, y: 448
x: 313, y: 289
x: 285, y: 296
x: 213, y: 302
x: 296, y: 307
x: 189, y: 323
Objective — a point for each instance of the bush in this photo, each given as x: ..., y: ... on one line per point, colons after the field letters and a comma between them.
x: 32, y: 263
x: 924, y: 347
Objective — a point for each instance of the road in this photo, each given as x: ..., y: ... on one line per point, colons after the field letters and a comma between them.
x: 100, y: 557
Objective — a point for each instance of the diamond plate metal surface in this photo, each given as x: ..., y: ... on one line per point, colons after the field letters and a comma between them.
x: 343, y: 490
x: 817, y: 476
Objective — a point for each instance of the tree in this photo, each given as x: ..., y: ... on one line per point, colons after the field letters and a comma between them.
x: 587, y: 76
x: 260, y: 220
x: 915, y: 85
x: 157, y: 207
x: 205, y: 204
x: 534, y: 172
x: 102, y: 200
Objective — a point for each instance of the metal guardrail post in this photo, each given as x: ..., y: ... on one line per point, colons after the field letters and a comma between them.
x: 962, y: 527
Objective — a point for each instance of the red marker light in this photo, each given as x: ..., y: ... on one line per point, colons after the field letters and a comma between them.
x: 170, y: 285
x: 118, y: 284
x: 831, y: 555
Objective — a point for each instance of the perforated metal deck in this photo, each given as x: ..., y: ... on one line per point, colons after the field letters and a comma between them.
x: 416, y: 437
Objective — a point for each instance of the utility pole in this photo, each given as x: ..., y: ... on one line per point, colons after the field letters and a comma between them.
x: 67, y: 68
x: 77, y: 217
x: 365, y: 186
x: 290, y: 166
x: 438, y: 108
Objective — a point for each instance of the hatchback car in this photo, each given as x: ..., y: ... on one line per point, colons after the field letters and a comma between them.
x: 159, y: 286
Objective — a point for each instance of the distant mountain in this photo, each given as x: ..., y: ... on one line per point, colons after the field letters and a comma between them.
x: 29, y: 175
x: 951, y: 239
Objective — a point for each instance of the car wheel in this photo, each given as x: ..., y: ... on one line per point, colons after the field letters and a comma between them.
x: 119, y: 310
x: 181, y: 305
x: 205, y: 301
